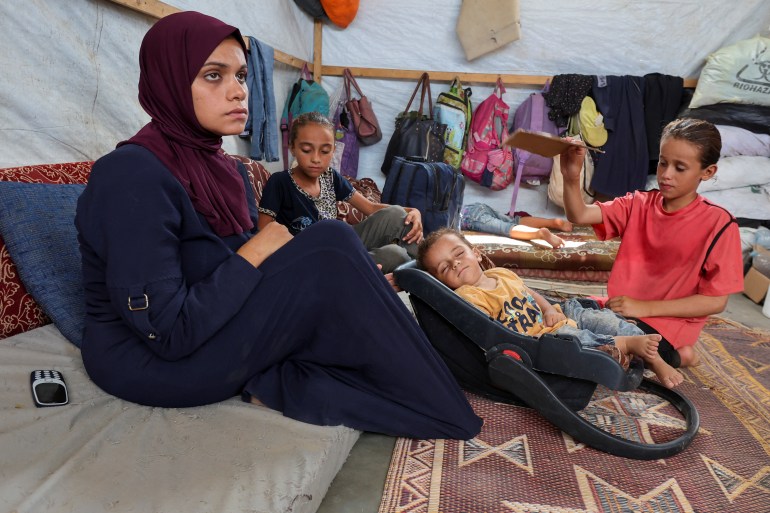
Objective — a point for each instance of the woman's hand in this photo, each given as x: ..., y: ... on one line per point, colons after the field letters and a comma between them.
x: 266, y: 242
x: 414, y: 218
x: 552, y: 316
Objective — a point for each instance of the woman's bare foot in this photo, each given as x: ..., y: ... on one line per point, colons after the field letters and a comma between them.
x: 643, y: 346
x: 256, y: 401
x: 562, y: 225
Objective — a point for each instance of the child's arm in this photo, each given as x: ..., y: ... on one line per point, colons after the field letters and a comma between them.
x: 577, y: 211
x: 264, y: 220
x: 413, y: 216
x: 550, y: 314
x: 696, y: 305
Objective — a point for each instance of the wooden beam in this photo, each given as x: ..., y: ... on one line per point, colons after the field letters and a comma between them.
x: 440, y: 76
x: 318, y: 28
x: 154, y: 8
x: 158, y: 10
x: 285, y: 58
x: 447, y: 76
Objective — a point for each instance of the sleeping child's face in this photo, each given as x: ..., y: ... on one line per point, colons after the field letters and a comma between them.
x: 453, y: 262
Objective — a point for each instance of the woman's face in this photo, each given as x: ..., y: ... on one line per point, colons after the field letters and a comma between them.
x: 219, y: 90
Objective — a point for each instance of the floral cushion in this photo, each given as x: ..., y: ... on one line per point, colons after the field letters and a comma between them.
x: 592, y: 255
x: 258, y: 175
x: 368, y: 188
x: 19, y: 312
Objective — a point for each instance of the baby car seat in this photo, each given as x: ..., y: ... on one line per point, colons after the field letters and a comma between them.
x: 553, y: 374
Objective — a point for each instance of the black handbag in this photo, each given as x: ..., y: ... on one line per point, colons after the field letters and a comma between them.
x: 417, y: 134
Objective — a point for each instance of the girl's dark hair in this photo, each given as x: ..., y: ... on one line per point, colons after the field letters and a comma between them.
x: 703, y: 134
x: 308, y: 118
x: 424, y: 246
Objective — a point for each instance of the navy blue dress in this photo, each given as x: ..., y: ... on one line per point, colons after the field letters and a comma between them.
x: 176, y: 318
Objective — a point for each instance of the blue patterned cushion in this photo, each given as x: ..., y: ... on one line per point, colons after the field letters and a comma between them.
x: 37, y: 222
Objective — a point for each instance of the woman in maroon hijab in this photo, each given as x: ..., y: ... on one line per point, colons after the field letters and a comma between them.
x: 187, y: 304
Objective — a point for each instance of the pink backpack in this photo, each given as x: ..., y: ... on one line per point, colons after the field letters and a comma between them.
x: 531, y: 115
x: 488, y: 130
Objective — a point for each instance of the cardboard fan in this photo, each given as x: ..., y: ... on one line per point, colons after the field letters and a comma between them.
x: 541, y: 143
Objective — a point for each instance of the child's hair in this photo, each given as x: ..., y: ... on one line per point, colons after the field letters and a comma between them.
x: 703, y: 134
x: 424, y: 246
x: 308, y: 118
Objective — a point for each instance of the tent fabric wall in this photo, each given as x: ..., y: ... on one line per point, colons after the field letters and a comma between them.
x: 611, y: 37
x: 69, y: 88
x: 72, y: 91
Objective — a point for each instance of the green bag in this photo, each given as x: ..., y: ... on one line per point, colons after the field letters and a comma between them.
x: 453, y: 108
x: 305, y: 96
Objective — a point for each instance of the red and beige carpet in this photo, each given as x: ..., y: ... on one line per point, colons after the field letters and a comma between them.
x: 520, y: 463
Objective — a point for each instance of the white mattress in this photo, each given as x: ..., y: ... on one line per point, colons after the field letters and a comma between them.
x: 102, y: 454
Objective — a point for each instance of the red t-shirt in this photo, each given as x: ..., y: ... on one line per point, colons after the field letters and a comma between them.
x: 662, y: 255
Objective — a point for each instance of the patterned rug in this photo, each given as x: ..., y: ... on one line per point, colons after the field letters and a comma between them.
x: 520, y: 463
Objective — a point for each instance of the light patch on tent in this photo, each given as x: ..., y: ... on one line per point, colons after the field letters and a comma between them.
x: 486, y: 25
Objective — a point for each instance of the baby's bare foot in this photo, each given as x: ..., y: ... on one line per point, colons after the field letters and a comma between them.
x: 643, y: 346
x: 667, y: 375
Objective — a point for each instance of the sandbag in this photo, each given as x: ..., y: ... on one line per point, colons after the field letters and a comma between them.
x: 737, y: 73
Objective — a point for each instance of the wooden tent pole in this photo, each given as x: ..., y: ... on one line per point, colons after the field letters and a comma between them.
x: 447, y: 76
x: 440, y: 76
x: 318, y: 28
x: 158, y: 9
x: 154, y: 8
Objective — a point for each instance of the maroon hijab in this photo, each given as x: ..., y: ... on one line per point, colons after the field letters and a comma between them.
x: 172, y: 53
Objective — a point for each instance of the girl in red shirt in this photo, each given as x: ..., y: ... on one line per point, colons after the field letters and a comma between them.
x: 680, y: 254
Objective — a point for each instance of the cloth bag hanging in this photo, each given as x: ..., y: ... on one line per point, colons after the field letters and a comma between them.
x: 361, y: 112
x: 556, y: 181
x: 416, y: 135
x: 305, y: 96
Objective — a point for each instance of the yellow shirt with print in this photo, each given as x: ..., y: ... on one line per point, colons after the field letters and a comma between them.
x: 512, y: 303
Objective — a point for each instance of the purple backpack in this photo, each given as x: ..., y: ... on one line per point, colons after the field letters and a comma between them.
x: 531, y: 115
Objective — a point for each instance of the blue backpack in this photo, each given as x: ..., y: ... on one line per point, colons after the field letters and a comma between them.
x: 305, y: 96
x: 436, y: 189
